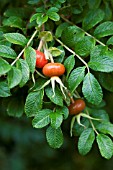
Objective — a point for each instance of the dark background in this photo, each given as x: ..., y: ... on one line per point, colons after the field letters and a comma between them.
x: 25, y: 148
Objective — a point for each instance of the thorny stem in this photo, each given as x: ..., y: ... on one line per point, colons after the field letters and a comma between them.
x: 71, y: 51
x: 65, y: 19
x: 92, y: 123
x: 30, y: 40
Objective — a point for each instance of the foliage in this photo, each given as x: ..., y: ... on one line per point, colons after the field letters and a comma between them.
x: 80, y: 36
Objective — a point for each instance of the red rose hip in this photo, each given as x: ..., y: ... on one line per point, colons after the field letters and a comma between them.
x: 53, y: 69
x: 76, y: 107
x: 41, y: 61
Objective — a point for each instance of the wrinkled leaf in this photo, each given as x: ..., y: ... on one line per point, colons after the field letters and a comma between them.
x: 14, y: 77
x: 69, y: 64
x: 7, y: 52
x: 23, y: 66
x: 54, y: 137
x: 30, y: 57
x: 75, y: 78
x: 86, y: 140
x: 92, y: 18
x: 4, y: 66
x: 106, y: 128
x: 57, y: 99
x: 4, y: 89
x: 105, y: 145
x: 84, y: 46
x: 101, y: 59
x: 56, y: 119
x: 34, y: 103
x: 91, y: 89
x: 15, y: 107
x: 104, y: 29
x: 42, y: 118
x: 16, y: 38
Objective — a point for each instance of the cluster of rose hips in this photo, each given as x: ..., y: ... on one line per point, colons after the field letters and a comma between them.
x: 54, y: 70
x: 57, y: 69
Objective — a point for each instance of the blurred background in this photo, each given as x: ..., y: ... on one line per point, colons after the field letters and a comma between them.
x: 25, y: 148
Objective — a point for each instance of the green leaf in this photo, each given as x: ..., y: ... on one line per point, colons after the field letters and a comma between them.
x: 56, y: 119
x: 4, y: 89
x: 41, y: 19
x: 94, y: 4
x: 92, y: 18
x: 30, y: 57
x: 86, y: 140
x: 33, y: 103
x: 107, y: 10
x: 60, y: 28
x: 78, y: 129
x: 54, y: 137
x: 75, y: 78
x: 100, y: 60
x: 23, y: 66
x: 14, y: 77
x: 16, y: 38
x: 105, y: 145
x: 7, y: 52
x: 105, y: 127
x: 55, y: 51
x: 84, y: 46
x: 91, y: 89
x: 110, y: 41
x: 5, y: 42
x: 39, y: 83
x: 46, y: 35
x: 13, y: 21
x: 104, y: 29
x: 100, y: 114
x: 33, y: 17
x: 22, y: 13
x: 42, y: 118
x: 69, y: 64
x: 40, y: 9
x: 57, y: 99
x: 53, y: 9
x: 33, y: 2
x: 63, y: 110
x: 72, y: 35
x: 15, y: 107
x: 62, y: 1
x: 106, y: 80
x: 4, y: 66
x: 53, y: 16
x: 60, y: 58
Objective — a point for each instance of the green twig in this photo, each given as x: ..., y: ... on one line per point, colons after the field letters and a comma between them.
x: 19, y: 55
x: 92, y: 123
x: 71, y: 51
x: 65, y: 19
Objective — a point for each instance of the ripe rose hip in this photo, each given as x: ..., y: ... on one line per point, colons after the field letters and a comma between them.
x: 41, y: 61
x: 76, y: 107
x: 53, y: 69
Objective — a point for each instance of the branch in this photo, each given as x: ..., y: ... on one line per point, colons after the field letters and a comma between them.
x: 19, y: 55
x: 71, y: 51
x: 82, y: 30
